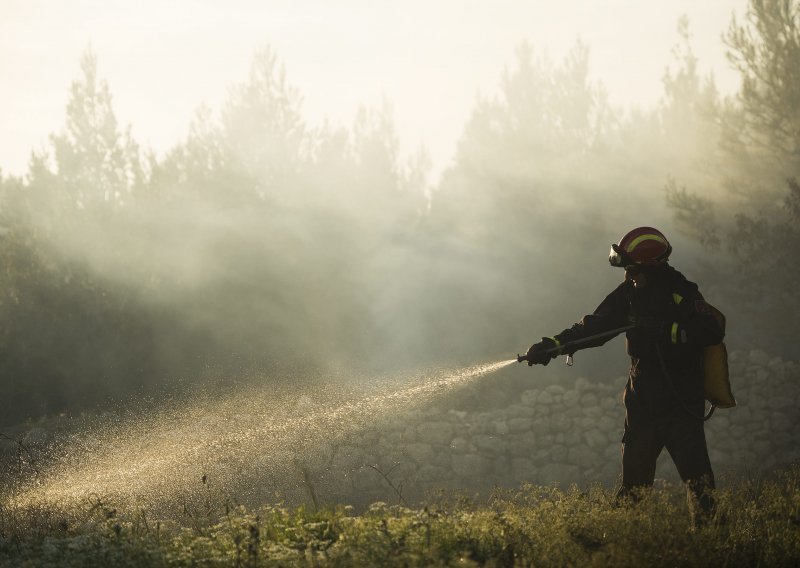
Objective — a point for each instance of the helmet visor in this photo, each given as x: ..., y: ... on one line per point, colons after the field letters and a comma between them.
x: 619, y: 258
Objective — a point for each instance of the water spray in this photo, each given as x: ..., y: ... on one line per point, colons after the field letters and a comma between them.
x: 236, y: 441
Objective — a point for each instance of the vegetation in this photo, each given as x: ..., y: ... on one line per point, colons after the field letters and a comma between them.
x: 757, y: 524
x: 748, y: 217
x: 261, y: 240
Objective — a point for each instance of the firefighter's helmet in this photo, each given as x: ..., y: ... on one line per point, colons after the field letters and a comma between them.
x: 643, y: 246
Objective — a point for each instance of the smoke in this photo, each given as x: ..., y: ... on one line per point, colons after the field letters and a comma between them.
x: 265, y: 241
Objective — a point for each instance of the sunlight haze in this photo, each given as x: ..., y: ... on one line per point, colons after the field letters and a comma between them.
x: 428, y: 60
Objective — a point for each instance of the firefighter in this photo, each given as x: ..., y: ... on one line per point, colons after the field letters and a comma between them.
x: 664, y: 398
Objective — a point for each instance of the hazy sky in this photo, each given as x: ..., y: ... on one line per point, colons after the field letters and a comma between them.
x: 428, y: 58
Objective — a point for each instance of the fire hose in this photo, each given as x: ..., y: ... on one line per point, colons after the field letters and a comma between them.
x: 570, y: 347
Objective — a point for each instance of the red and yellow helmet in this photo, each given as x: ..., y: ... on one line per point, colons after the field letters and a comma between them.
x: 643, y: 246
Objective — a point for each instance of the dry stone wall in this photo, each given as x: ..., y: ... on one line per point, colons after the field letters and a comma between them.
x: 563, y: 433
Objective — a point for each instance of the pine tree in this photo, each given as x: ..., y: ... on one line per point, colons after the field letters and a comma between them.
x: 752, y: 228
x: 97, y: 163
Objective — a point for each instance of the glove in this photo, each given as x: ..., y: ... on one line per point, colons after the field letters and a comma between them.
x: 653, y: 328
x: 536, y: 354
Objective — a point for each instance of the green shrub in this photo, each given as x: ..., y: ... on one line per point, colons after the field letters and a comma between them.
x: 757, y: 523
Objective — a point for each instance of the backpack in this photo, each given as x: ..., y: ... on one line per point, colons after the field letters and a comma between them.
x: 716, y: 379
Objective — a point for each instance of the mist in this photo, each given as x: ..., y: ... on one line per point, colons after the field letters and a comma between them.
x: 262, y: 240
x: 265, y: 249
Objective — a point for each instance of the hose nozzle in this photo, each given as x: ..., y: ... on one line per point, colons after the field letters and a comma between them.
x: 521, y: 358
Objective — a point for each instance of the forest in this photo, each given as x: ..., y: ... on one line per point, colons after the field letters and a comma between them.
x: 262, y: 247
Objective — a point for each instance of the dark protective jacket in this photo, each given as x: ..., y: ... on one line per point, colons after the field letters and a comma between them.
x: 664, y: 397
x: 685, y: 326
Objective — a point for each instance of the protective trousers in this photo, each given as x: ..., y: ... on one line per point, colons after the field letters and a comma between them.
x: 655, y: 419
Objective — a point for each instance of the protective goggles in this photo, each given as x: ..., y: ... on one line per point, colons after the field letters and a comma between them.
x: 619, y: 258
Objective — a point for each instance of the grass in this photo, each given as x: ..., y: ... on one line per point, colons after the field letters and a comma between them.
x: 758, y: 524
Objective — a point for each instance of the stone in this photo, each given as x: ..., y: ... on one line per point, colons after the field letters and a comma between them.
x: 391, y: 437
x: 595, y: 438
x: 767, y: 463
x: 780, y: 402
x: 562, y: 474
x: 583, y: 457
x: 572, y: 437
x: 558, y: 453
x: 500, y: 427
x: 36, y: 436
x: 470, y: 465
x: 783, y: 438
x: 8, y: 446
x: 419, y: 453
x: 738, y: 431
x: 519, y: 424
x: 793, y: 455
x: 438, y: 433
x: 490, y: 444
x: 461, y: 445
x: 442, y: 459
x: 776, y: 366
x: 541, y: 426
x: 517, y: 411
x: 346, y: 458
x: 571, y: 398
x: 593, y: 412
x: 547, y: 440
x: 782, y: 421
x: 612, y: 452
x: 742, y: 415
x: 522, y: 469
x: 717, y: 456
x: 747, y: 458
x: 544, y: 398
x: 608, y: 403
x: 432, y: 474
x: 720, y: 422
x: 610, y: 474
x: 459, y: 415
x: 367, y: 479
x: 560, y: 422
x: 369, y: 437
x: 666, y: 473
x: 758, y: 357
x: 610, y: 423
x: 521, y: 445
x: 541, y: 456
x: 501, y: 469
x: 762, y: 447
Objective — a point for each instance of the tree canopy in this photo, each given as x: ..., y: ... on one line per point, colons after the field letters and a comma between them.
x: 261, y: 241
